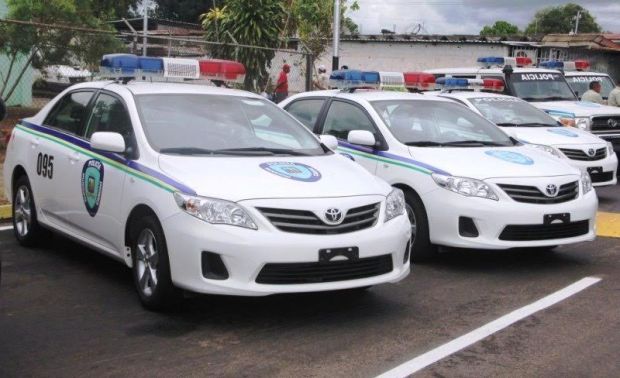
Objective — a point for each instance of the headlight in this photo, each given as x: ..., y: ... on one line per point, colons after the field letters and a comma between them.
x: 610, y: 149
x: 569, y: 122
x: 582, y: 123
x: 395, y: 204
x: 586, y: 182
x: 465, y: 186
x: 548, y: 149
x: 215, y: 211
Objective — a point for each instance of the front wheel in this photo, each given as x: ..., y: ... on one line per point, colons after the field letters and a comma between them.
x: 422, y: 249
x: 151, y: 266
x: 25, y: 224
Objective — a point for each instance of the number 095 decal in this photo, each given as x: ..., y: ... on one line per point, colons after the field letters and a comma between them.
x: 45, y: 165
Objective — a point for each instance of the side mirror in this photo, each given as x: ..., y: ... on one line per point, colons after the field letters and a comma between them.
x: 108, y: 142
x: 362, y: 138
x: 2, y: 109
x: 330, y: 141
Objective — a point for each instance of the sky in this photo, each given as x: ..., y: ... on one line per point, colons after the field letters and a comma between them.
x: 466, y: 16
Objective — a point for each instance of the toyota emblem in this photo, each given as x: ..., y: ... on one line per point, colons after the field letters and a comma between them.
x: 612, y: 122
x: 591, y: 152
x: 333, y: 216
x: 552, y: 190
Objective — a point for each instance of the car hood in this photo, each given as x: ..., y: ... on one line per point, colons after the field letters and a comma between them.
x: 492, y: 162
x: 577, y: 108
x: 554, y: 136
x: 243, y: 178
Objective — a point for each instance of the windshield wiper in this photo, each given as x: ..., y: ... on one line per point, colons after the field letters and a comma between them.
x: 507, y: 124
x: 186, y: 151
x: 556, y: 98
x: 536, y: 124
x: 259, y: 151
x: 423, y: 143
x: 473, y: 143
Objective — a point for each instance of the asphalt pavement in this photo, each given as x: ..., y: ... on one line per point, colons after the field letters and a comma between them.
x: 68, y: 311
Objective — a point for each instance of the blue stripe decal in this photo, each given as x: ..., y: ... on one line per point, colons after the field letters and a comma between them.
x: 388, y: 155
x: 129, y: 163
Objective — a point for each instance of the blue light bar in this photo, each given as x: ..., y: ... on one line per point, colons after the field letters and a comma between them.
x: 552, y: 64
x: 119, y: 64
x: 491, y: 60
x: 452, y: 82
x: 350, y: 79
x: 149, y: 65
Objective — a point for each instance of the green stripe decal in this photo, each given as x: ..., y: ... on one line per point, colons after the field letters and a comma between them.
x: 115, y: 164
x: 384, y: 160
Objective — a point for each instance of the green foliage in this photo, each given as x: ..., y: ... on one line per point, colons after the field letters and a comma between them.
x: 500, y: 28
x: 46, y: 46
x: 559, y: 19
x: 256, y: 23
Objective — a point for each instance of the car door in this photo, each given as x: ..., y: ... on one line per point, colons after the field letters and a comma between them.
x: 307, y: 111
x: 99, y: 175
x: 54, y: 155
x: 344, y: 116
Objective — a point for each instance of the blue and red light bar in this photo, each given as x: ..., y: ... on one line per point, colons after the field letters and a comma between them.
x: 576, y: 65
x: 354, y: 79
x: 451, y: 83
x: 133, y: 66
x: 499, y: 61
x: 420, y: 81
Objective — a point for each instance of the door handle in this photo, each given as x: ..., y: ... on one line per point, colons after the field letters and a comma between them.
x: 34, y: 143
x: 74, y: 157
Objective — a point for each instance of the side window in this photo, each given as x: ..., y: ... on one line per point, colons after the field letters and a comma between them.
x: 109, y: 114
x: 70, y: 112
x: 343, y: 117
x: 306, y: 111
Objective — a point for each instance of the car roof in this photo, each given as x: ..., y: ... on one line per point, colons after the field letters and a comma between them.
x: 146, y: 87
x: 495, y: 70
x: 470, y: 94
x: 584, y: 73
x: 368, y: 95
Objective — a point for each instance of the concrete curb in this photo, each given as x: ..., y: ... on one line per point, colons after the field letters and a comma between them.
x: 5, y: 212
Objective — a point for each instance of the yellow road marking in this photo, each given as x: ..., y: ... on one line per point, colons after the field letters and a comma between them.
x: 608, y: 224
x: 5, y: 212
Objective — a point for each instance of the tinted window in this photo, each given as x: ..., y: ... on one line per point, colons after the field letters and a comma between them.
x: 306, y: 111
x: 511, y: 111
x: 109, y: 114
x: 541, y: 87
x: 580, y: 84
x: 201, y: 124
x: 70, y: 112
x: 343, y: 117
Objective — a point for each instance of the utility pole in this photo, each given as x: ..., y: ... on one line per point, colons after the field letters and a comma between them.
x: 145, y: 26
x: 576, y: 18
x: 336, y: 36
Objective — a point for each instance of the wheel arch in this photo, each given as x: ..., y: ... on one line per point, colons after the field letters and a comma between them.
x: 135, y: 213
x: 18, y: 172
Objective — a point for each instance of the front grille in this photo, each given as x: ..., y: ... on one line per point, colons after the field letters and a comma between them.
x: 306, y: 222
x: 316, y: 272
x: 603, y: 123
x: 531, y: 194
x: 599, y: 154
x: 601, y: 177
x: 531, y: 232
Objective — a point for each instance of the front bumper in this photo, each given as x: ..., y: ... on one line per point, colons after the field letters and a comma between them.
x: 608, y: 167
x: 245, y: 252
x: 491, y: 218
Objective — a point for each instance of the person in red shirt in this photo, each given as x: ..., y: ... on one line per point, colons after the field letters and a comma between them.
x: 281, y: 91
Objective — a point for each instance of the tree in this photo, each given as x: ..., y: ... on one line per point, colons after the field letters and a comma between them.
x: 559, y: 19
x: 500, y: 28
x: 256, y: 23
x: 185, y: 10
x: 25, y: 44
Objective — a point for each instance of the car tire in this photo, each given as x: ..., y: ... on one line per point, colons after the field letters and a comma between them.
x: 422, y: 249
x: 151, y: 265
x: 25, y: 224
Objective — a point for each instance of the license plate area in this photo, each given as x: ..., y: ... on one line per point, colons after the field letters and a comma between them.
x: 595, y: 170
x: 347, y: 253
x: 560, y: 218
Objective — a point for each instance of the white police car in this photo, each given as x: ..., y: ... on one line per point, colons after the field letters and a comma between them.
x: 466, y: 183
x: 547, y: 89
x: 531, y: 125
x: 207, y: 189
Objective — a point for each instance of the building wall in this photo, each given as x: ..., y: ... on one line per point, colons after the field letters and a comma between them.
x: 22, y: 95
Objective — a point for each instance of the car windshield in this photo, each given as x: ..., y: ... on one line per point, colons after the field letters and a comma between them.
x: 511, y: 111
x: 541, y: 86
x: 438, y: 124
x: 580, y: 84
x: 202, y: 124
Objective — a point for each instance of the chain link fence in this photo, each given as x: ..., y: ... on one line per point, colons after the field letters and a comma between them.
x: 30, y: 84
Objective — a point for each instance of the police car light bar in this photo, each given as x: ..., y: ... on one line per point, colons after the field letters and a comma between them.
x: 451, y: 83
x: 420, y: 81
x: 394, y: 81
x: 577, y: 65
x: 354, y: 79
x: 491, y: 61
x: 132, y: 66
